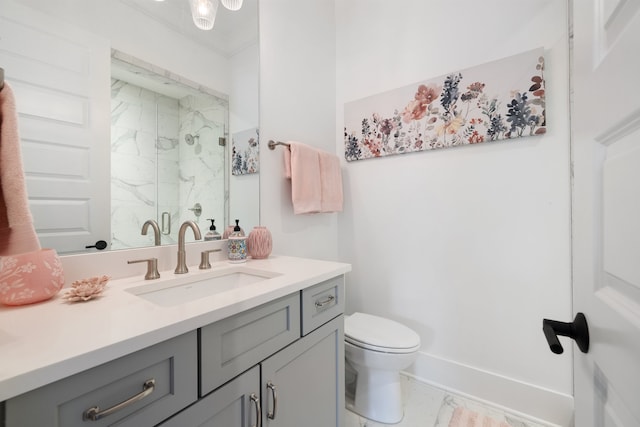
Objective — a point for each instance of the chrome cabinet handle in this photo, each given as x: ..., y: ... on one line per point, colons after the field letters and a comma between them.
x: 94, y: 413
x: 272, y: 415
x: 256, y: 401
x: 328, y: 300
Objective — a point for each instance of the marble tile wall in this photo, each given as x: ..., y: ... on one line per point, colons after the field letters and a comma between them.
x: 154, y: 169
x: 202, y: 168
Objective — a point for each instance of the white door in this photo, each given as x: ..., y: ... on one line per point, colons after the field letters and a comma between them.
x: 606, y: 209
x: 61, y: 79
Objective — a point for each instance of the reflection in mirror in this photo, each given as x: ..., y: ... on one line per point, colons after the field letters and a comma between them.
x: 57, y: 57
x: 167, y: 151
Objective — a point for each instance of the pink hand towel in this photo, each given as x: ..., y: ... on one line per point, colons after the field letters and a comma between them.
x: 28, y: 274
x: 316, y: 179
x: 330, y: 182
x: 303, y: 166
x: 17, y: 234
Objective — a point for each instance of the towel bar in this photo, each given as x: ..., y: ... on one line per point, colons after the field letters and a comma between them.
x: 272, y: 144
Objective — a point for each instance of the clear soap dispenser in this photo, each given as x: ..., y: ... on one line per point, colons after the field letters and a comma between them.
x: 212, y: 234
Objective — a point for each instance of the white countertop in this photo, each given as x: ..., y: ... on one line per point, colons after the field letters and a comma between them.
x: 45, y: 342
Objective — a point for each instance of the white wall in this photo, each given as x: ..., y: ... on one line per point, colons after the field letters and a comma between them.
x: 297, y: 102
x: 136, y: 34
x: 469, y: 246
x: 244, y: 190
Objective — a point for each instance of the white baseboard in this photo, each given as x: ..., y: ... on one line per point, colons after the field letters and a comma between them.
x: 515, y: 396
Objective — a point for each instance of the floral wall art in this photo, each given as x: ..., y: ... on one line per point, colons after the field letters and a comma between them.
x: 245, y: 157
x: 500, y: 100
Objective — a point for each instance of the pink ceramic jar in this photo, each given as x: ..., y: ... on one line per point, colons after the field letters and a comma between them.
x: 30, y: 277
x: 259, y: 242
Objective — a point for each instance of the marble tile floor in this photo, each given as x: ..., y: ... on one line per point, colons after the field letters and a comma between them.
x: 429, y: 406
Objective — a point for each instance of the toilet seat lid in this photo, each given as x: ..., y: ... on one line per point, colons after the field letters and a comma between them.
x: 380, y: 334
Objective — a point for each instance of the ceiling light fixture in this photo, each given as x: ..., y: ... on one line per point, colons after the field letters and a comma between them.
x: 204, y: 13
x: 232, y: 4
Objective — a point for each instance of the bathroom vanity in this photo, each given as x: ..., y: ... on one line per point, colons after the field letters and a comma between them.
x: 263, y: 349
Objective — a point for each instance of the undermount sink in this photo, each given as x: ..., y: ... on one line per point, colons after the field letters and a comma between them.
x: 185, y: 289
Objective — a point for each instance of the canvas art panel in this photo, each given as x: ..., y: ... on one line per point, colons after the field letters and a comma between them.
x: 245, y: 157
x: 499, y: 100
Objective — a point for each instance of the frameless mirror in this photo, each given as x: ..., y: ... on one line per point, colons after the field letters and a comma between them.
x: 128, y: 112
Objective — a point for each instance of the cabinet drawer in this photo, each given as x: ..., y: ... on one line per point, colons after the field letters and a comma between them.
x: 233, y: 345
x: 321, y: 303
x: 170, y: 364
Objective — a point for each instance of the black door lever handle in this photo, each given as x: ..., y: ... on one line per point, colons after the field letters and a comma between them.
x: 100, y: 245
x: 578, y: 330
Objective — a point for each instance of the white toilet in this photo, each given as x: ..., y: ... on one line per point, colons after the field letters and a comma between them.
x: 378, y: 349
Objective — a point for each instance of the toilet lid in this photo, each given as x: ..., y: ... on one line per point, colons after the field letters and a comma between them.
x: 380, y: 334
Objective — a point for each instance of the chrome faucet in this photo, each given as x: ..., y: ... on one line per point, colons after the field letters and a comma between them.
x: 182, y: 255
x: 156, y: 230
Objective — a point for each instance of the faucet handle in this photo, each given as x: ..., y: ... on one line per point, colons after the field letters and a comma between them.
x: 204, y: 259
x: 152, y: 267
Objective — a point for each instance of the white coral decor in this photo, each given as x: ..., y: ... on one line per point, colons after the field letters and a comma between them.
x: 86, y: 289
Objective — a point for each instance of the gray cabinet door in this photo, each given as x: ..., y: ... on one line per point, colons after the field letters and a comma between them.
x: 308, y: 377
x: 140, y: 389
x: 236, y: 404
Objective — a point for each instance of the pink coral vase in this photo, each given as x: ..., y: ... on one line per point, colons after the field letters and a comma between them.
x: 30, y: 277
x: 259, y: 242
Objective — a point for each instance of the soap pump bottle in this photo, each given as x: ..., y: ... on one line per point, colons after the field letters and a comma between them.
x: 212, y: 234
x: 237, y: 231
x: 237, y: 245
x: 231, y: 229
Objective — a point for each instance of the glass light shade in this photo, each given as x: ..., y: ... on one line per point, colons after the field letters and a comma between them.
x: 232, y: 4
x: 204, y: 13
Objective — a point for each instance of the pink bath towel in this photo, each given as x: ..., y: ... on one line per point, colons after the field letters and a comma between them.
x: 17, y: 234
x: 330, y: 182
x: 316, y: 180
x: 302, y: 165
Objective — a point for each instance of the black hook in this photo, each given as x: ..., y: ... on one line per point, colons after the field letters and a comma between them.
x: 578, y: 330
